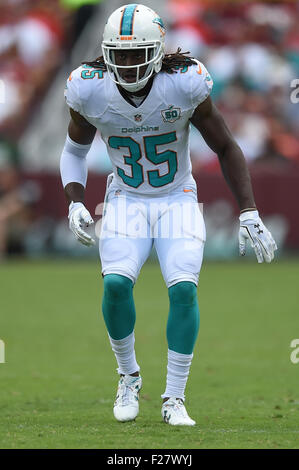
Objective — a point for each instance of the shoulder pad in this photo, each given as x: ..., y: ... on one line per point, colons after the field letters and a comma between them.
x: 82, y: 83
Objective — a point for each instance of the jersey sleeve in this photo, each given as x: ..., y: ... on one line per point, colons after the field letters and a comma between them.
x: 72, y: 91
x: 201, y: 84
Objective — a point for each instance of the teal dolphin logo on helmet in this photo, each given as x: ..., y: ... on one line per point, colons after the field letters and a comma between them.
x: 160, y: 23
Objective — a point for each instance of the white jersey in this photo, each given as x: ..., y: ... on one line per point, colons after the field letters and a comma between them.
x: 148, y: 145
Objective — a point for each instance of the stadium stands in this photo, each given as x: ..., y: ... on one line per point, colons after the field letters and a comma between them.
x: 251, y: 50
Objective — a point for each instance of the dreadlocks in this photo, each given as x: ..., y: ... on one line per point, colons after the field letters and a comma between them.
x: 97, y: 63
x: 170, y: 63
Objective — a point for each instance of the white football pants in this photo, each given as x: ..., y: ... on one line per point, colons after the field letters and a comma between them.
x: 172, y: 223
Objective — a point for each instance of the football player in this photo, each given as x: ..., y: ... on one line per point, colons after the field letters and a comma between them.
x: 143, y: 101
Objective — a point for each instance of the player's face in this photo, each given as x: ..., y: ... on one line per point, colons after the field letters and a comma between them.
x: 130, y: 58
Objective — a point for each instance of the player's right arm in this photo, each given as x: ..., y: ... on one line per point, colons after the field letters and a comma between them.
x: 82, y: 133
x: 73, y: 170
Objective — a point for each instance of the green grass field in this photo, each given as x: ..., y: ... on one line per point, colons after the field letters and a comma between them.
x: 59, y: 380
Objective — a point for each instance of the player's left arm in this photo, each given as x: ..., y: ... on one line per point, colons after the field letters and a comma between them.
x: 210, y: 123
x: 208, y: 120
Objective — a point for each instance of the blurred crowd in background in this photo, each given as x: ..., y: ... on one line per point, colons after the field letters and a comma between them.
x: 251, y: 50
x: 35, y: 36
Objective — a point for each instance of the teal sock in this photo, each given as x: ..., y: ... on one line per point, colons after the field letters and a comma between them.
x: 183, y: 318
x: 118, y: 306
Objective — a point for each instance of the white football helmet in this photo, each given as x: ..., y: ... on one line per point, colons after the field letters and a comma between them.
x: 134, y: 26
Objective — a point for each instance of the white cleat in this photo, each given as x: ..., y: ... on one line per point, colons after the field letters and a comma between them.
x: 174, y: 412
x: 126, y: 405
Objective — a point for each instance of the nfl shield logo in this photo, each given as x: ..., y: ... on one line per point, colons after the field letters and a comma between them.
x: 138, y: 117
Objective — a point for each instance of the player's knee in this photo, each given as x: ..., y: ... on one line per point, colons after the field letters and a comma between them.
x: 183, y: 293
x: 117, y: 288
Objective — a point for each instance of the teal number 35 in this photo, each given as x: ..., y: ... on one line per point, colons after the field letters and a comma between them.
x: 155, y: 179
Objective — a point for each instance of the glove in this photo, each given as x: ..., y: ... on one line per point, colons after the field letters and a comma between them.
x: 80, y: 217
x: 261, y: 240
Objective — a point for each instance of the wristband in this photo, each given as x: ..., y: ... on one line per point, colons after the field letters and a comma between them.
x: 248, y: 209
x: 73, y: 164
